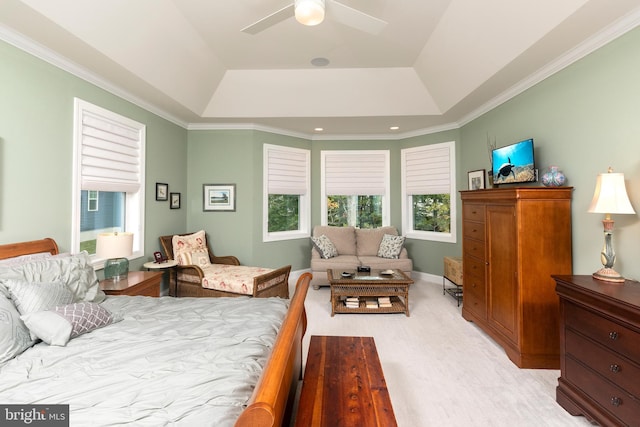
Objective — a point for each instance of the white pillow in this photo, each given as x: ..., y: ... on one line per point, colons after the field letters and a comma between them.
x: 61, y: 324
x: 29, y: 297
x: 14, y: 335
x: 390, y: 246
x: 75, y: 272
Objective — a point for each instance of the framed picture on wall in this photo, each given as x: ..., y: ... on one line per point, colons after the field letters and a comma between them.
x: 174, y: 200
x: 219, y: 197
x: 476, y: 179
x: 162, y: 192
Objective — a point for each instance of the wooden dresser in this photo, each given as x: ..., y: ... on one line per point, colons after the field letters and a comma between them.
x: 514, y: 239
x: 600, y: 349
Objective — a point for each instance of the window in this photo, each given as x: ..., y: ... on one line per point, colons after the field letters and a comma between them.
x: 92, y: 201
x: 428, y: 199
x: 108, y: 177
x: 355, y: 188
x: 287, y: 200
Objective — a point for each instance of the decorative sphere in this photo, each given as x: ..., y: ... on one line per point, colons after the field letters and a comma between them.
x: 553, y: 177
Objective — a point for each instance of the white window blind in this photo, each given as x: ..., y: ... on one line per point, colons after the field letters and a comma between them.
x: 287, y: 170
x: 428, y: 170
x: 351, y: 173
x: 111, y: 157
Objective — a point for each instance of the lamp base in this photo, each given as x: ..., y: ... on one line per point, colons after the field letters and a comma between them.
x: 116, y: 269
x: 608, y: 275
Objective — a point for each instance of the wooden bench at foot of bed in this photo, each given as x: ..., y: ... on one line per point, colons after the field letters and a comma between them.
x: 344, y: 385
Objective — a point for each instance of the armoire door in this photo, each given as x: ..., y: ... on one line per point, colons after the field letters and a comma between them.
x: 502, y: 242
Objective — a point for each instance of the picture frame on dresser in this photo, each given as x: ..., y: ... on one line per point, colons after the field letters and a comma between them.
x: 476, y: 179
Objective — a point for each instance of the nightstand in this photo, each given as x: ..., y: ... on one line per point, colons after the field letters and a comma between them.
x: 144, y: 283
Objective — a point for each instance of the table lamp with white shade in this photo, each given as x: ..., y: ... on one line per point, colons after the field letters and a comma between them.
x: 610, y: 197
x: 114, y: 248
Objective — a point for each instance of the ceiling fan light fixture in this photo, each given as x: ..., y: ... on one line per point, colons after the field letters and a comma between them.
x: 309, y: 12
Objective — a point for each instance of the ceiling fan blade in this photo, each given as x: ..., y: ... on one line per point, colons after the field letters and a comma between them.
x: 354, y: 18
x: 270, y: 20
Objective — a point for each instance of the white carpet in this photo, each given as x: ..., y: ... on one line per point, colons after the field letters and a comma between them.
x: 442, y: 370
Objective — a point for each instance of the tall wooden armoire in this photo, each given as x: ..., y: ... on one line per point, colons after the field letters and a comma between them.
x: 514, y: 239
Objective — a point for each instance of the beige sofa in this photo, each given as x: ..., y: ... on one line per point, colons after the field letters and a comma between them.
x: 356, y: 247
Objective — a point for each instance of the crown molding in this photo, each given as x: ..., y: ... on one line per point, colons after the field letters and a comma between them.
x: 598, y: 40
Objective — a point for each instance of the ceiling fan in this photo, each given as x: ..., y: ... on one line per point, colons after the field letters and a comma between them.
x: 311, y: 12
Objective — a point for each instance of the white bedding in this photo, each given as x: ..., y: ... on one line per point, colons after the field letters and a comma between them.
x: 151, y: 370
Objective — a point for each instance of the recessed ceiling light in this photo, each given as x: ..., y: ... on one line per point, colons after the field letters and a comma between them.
x: 320, y: 62
x: 318, y: 129
x: 394, y: 127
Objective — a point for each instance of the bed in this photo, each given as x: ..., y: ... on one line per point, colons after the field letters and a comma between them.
x: 164, y: 361
x: 200, y: 273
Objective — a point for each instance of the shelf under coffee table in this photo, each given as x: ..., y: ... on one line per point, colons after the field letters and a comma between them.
x: 369, y: 285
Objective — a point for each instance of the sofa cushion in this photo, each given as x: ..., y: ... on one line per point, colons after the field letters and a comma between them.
x: 343, y: 238
x: 368, y: 239
x: 390, y: 246
x: 340, y: 263
x: 323, y: 245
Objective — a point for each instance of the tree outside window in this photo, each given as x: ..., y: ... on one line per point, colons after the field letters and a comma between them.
x: 357, y: 211
x: 432, y: 212
x: 284, y: 212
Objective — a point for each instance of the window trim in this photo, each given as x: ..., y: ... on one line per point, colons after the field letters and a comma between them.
x: 386, y: 197
x: 407, y: 205
x: 304, y: 209
x: 134, y: 201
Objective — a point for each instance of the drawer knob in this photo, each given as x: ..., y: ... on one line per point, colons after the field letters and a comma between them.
x: 616, y: 401
x: 613, y: 335
x: 614, y: 368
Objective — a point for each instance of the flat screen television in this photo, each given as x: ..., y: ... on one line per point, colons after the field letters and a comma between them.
x: 514, y: 163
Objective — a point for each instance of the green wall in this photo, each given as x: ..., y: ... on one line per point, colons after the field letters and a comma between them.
x: 583, y: 119
x: 36, y: 150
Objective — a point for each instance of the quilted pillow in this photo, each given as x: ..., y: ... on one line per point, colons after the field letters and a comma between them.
x: 74, y: 271
x: 390, y: 246
x: 29, y: 297
x: 63, y: 323
x: 185, y: 246
x: 14, y: 335
x: 324, y: 246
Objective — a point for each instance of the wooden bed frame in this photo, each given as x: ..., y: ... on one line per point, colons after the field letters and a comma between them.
x: 272, y: 401
x: 272, y: 284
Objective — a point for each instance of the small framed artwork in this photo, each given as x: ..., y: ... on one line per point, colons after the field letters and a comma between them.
x: 476, y: 179
x: 174, y: 200
x: 162, y: 192
x: 219, y: 197
x: 158, y: 257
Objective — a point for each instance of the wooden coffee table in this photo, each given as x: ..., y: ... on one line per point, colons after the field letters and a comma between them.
x: 368, y: 287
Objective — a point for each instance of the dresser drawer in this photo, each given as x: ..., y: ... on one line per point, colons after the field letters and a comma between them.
x: 474, y: 286
x: 472, y: 247
x: 473, y: 230
x: 473, y: 212
x: 610, y: 334
x: 611, y: 398
x: 606, y: 363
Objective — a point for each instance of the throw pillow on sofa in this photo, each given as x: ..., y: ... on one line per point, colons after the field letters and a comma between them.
x: 324, y: 246
x: 390, y: 246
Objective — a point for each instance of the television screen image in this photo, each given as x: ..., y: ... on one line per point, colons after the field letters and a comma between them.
x: 514, y: 163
